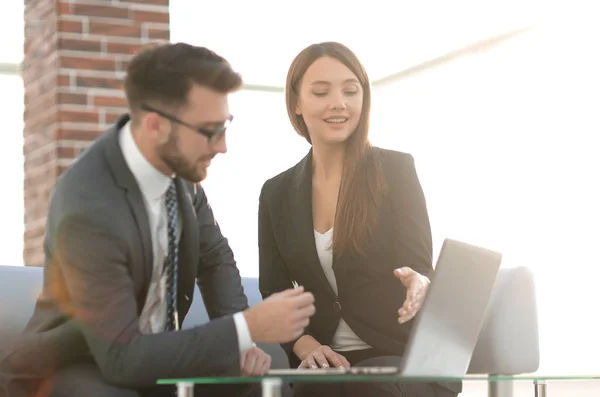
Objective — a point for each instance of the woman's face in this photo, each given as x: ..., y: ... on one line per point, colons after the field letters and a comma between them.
x: 330, y: 101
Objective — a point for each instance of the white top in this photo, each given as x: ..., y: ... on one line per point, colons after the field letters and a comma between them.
x: 153, y: 185
x: 344, y: 338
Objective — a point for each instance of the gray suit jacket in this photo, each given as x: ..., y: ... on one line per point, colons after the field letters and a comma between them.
x: 97, y: 273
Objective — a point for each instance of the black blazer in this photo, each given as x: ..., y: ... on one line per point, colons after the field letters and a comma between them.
x: 97, y: 272
x: 369, y: 293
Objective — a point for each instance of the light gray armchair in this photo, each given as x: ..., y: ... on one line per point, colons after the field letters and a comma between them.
x: 509, y: 341
x: 507, y: 345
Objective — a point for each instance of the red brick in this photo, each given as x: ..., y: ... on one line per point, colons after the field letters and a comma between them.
x: 111, y: 118
x: 68, y: 26
x: 91, y: 10
x: 40, y: 116
x: 64, y: 8
x: 149, y: 16
x: 114, y: 29
x: 90, y: 45
x: 66, y: 152
x: 63, y: 81
x: 122, y: 48
x: 77, y: 135
x: 70, y: 98
x: 109, y: 101
x: 33, y: 255
x: 78, y: 116
x: 158, y: 34
x: 35, y: 232
x: 86, y: 63
x: 61, y: 168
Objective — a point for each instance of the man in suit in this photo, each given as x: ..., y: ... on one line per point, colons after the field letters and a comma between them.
x: 128, y: 232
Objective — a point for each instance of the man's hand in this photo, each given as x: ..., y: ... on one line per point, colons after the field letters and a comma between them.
x: 324, y: 357
x: 281, y: 317
x: 416, y: 288
x: 255, y: 362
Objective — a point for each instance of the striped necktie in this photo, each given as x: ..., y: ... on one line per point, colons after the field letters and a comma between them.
x: 171, y: 260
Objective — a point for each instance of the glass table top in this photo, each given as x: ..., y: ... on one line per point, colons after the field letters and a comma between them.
x: 377, y: 378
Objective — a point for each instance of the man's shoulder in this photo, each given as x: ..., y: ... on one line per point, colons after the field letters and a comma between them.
x: 88, y: 188
x: 90, y: 173
x: 80, y: 206
x: 85, y: 185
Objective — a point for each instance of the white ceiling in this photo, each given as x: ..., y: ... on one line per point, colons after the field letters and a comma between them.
x: 261, y: 37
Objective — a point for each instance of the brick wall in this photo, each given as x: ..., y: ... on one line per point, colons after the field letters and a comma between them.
x: 75, y: 56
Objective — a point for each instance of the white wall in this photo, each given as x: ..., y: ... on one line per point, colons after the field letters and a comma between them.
x: 11, y: 149
x: 505, y: 142
x: 11, y: 163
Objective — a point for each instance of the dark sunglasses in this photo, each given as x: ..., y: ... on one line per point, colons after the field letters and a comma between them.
x: 211, y: 134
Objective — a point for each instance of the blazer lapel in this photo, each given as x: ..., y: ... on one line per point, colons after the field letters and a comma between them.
x: 125, y: 179
x: 188, y: 244
x: 301, y: 212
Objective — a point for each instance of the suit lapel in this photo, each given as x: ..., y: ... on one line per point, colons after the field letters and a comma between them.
x: 188, y: 244
x: 125, y: 179
x: 301, y: 212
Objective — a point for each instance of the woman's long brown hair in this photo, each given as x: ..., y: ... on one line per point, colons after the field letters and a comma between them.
x: 363, y: 184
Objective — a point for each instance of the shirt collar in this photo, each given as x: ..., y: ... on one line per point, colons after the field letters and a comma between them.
x: 152, y: 183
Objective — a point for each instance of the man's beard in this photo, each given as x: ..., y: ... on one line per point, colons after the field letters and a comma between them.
x: 169, y: 154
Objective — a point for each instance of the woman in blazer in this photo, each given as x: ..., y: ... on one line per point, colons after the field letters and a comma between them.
x: 341, y: 223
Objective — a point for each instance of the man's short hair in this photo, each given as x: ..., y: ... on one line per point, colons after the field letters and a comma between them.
x: 164, y: 74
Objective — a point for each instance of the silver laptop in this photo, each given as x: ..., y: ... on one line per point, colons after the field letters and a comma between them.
x: 446, y: 328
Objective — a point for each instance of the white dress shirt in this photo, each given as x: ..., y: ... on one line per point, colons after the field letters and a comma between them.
x: 344, y: 339
x: 153, y: 185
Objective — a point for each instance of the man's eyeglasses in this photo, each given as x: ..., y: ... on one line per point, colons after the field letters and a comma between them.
x: 213, y: 134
